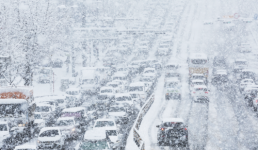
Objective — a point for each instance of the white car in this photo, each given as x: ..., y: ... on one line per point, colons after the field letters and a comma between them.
x: 200, y: 93
x: 69, y: 127
x: 116, y: 86
x: 4, y: 132
x: 109, y: 125
x: 196, y: 76
x: 195, y: 82
x: 245, y: 47
x: 26, y: 146
x: 139, y: 88
x: 108, y: 90
x: 245, y: 82
x: 50, y: 138
x: 98, y: 137
x: 45, y: 110
x: 240, y: 64
x: 124, y: 98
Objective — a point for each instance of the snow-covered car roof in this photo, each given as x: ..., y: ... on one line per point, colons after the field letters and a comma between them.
x: 65, y: 118
x: 172, y: 120
x: 26, y: 146
x: 198, y: 56
x: 88, y: 73
x: 113, y: 82
x: 73, y: 109
x: 174, y: 79
x: 119, y: 74
x: 195, y: 74
x: 247, y: 70
x: 137, y: 84
x: 95, y: 134
x: 106, y: 87
x: 12, y: 101
x: 146, y: 69
x: 73, y: 89
x: 122, y: 94
x: 105, y: 119
x: 200, y: 86
x: 43, y: 104
x: 197, y: 81
x: 148, y: 74
x: 3, y: 122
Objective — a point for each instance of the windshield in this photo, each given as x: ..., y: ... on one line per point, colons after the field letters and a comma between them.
x: 149, y: 71
x: 119, y: 78
x: 198, y: 83
x: 93, y: 145
x: 146, y: 79
x: 113, y: 85
x: 88, y: 81
x: 172, y: 84
x: 71, y: 114
x: 116, y: 109
x: 171, y: 66
x: 65, y: 123
x: 3, y: 127
x: 37, y: 116
x: 172, y: 75
x: 13, y: 109
x: 136, y: 88
x: 49, y: 133
x: 72, y: 92
x: 111, y: 132
x: 198, y: 77
x: 105, y: 124
x: 240, y: 62
x: 172, y: 124
x: 199, y: 61
x: 106, y: 91
x: 43, y: 109
x: 102, y: 97
x: 123, y: 98
x: 201, y: 89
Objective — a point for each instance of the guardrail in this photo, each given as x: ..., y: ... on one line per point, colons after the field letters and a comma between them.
x: 136, y: 136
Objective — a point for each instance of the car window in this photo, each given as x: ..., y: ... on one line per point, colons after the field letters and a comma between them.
x: 104, y: 124
x: 3, y: 127
x: 49, y: 133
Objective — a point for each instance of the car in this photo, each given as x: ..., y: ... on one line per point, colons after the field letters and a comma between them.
x: 200, y: 93
x: 245, y: 47
x: 244, y: 83
x: 124, y: 99
x: 116, y: 86
x: 140, y: 89
x: 195, y: 82
x: 219, y: 61
x: 173, y: 89
x: 109, y: 125
x: 26, y: 146
x: 70, y: 127
x: 172, y: 132
x: 172, y: 75
x: 95, y: 139
x: 38, y: 123
x: 5, y: 134
x: 239, y: 65
x: 196, y: 76
x: 73, y: 97
x: 248, y: 74
x: 171, y: 66
x: 50, y: 138
x: 44, y: 109
x: 119, y: 113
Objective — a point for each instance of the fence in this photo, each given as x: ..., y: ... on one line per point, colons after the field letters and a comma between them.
x: 136, y: 136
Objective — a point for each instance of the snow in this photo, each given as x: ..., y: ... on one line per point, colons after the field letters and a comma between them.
x: 95, y: 134
x: 172, y: 120
x: 12, y: 101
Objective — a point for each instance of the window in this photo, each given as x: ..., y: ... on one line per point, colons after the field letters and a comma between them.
x: 123, y: 98
x: 116, y: 109
x: 65, y: 123
x: 106, y: 91
x: 49, y: 133
x: 172, y: 124
x: 42, y: 109
x: 136, y: 88
x: 104, y: 124
x: 199, y: 61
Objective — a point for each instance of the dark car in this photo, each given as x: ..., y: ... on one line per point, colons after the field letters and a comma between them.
x: 172, y: 132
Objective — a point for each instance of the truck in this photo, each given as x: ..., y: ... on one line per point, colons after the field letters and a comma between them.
x: 198, y: 63
x: 17, y: 109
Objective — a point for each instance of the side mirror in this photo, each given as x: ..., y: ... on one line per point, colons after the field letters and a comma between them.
x: 157, y: 126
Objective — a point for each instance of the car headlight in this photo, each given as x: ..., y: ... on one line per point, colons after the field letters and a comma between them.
x: 21, y: 125
x: 73, y: 129
x: 39, y: 141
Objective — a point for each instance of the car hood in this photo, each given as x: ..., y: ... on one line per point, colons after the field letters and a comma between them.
x: 56, y: 138
x: 113, y: 138
x: 3, y: 135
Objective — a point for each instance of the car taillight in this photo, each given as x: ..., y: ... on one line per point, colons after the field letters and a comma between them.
x: 257, y: 101
x: 206, y: 92
x: 194, y: 92
x: 162, y: 129
x: 185, y: 128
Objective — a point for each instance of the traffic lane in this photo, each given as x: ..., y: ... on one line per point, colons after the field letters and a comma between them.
x: 246, y: 118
